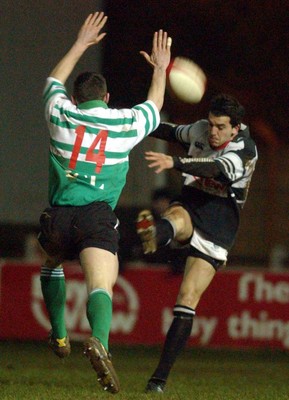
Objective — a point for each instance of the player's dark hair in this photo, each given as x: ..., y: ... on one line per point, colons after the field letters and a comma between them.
x: 226, y: 105
x: 89, y: 86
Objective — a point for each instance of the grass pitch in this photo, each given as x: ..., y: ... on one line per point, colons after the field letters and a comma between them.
x: 30, y: 371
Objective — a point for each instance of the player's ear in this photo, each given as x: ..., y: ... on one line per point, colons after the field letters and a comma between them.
x: 73, y: 100
x: 106, y: 98
x: 235, y: 130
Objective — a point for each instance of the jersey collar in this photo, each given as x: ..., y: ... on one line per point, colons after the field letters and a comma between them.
x: 92, y: 104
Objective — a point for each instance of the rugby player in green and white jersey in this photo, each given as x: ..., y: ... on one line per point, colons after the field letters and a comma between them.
x: 88, y: 162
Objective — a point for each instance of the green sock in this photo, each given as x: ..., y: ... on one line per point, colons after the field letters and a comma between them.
x: 54, y: 294
x: 99, y: 314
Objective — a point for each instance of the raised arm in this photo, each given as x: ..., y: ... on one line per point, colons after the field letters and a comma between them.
x: 159, y: 59
x: 88, y: 35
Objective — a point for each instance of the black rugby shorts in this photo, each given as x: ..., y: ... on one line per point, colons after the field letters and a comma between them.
x: 66, y: 230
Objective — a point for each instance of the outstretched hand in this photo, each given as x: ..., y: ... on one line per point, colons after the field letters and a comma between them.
x: 159, y: 59
x: 160, y: 161
x: 88, y: 34
x: 161, y: 50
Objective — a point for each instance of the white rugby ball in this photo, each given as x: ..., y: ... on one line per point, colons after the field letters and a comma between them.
x: 186, y: 80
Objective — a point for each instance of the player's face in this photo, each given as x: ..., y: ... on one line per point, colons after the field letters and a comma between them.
x: 220, y: 130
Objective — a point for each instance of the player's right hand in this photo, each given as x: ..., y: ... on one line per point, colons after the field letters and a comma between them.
x: 89, y: 34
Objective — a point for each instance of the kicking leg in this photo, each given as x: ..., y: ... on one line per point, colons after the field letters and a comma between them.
x: 174, y: 224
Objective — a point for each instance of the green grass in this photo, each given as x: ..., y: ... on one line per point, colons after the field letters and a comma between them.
x: 29, y: 371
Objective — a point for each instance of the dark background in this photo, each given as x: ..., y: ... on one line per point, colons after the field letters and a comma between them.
x: 242, y: 46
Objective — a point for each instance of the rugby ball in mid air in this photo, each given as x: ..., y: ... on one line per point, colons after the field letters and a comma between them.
x: 186, y: 80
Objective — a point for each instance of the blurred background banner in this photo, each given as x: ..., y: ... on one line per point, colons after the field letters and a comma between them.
x: 242, y: 308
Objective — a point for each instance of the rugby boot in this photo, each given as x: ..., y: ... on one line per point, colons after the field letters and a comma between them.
x: 155, y: 385
x: 60, y: 347
x: 100, y: 360
x: 146, y: 230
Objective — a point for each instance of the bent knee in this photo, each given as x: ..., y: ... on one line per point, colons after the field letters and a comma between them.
x: 181, y: 221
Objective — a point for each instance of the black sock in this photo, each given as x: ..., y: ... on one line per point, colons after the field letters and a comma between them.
x: 175, y: 342
x: 165, y: 232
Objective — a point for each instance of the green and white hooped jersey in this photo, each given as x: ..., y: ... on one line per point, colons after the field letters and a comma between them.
x: 90, y: 145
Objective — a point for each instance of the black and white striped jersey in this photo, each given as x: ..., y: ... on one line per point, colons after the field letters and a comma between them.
x: 236, y: 160
x: 216, y: 180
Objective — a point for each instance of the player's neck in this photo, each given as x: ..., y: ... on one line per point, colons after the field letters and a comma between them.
x: 222, y: 146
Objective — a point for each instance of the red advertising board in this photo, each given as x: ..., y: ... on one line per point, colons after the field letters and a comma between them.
x: 241, y: 308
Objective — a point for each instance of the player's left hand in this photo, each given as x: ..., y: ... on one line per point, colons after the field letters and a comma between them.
x: 161, y: 50
x: 160, y: 161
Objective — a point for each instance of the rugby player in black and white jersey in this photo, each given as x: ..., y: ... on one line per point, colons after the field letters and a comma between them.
x: 218, y: 170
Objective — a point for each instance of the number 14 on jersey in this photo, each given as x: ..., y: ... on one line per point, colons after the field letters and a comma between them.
x: 97, y: 158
